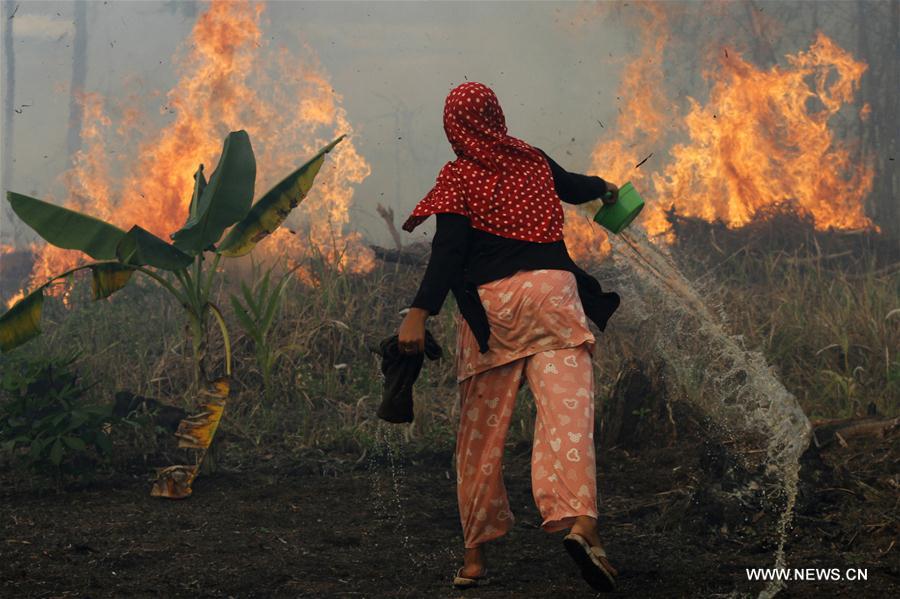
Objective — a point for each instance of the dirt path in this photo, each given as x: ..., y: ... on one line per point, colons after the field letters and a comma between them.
x: 296, y: 532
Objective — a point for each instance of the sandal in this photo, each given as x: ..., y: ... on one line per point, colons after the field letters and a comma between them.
x: 593, y: 570
x: 468, y: 582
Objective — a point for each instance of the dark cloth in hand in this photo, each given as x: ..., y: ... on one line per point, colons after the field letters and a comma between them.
x: 400, y: 371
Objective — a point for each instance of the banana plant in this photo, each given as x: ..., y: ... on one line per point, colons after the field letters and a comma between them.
x: 225, y: 202
x: 178, y: 267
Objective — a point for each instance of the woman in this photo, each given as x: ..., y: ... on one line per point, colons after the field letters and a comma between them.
x: 499, y: 247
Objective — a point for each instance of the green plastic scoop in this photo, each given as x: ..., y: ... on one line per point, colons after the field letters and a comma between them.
x: 617, y: 216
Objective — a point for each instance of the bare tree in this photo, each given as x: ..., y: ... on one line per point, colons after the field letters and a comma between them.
x: 79, y: 72
x: 878, y: 43
x: 888, y: 159
x: 9, y: 82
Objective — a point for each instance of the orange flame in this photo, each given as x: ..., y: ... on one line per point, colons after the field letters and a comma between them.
x: 762, y: 138
x: 758, y: 142
x: 641, y: 94
x: 230, y: 78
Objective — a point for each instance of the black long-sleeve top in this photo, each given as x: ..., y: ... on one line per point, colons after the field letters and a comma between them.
x: 463, y: 258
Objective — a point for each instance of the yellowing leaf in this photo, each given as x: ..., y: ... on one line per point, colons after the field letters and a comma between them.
x: 194, y: 432
x: 197, y: 431
x: 108, y: 278
x: 271, y: 210
x: 218, y: 389
x: 23, y: 321
x: 174, y: 482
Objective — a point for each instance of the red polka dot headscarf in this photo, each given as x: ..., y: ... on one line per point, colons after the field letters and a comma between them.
x: 501, y: 183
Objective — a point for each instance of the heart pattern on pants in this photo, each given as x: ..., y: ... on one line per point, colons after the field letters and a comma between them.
x: 527, y: 311
x: 557, y: 368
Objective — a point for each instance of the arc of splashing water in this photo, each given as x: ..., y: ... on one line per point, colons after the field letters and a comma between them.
x: 745, y: 396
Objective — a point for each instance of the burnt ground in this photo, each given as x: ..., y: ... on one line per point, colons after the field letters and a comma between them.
x: 326, y: 525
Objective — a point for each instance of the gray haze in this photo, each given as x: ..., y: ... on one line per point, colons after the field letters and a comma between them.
x: 555, y: 66
x: 393, y: 63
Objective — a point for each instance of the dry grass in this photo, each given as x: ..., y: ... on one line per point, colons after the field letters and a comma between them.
x: 824, y: 307
x: 831, y: 330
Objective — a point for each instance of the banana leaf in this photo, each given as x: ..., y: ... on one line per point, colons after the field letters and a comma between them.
x: 22, y: 322
x: 66, y: 228
x: 224, y: 200
x: 199, y: 186
x: 108, y: 278
x: 197, y: 431
x: 174, y: 482
x: 140, y: 247
x: 194, y: 432
x: 270, y: 211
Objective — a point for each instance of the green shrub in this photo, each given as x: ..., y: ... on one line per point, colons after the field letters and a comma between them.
x: 45, y: 423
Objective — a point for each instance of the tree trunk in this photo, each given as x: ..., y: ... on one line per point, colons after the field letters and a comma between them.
x: 888, y: 154
x: 9, y: 98
x: 79, y: 71
x: 877, y: 44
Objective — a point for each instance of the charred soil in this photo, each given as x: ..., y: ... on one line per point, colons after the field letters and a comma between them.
x: 332, y: 525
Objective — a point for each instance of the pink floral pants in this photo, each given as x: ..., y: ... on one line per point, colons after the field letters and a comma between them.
x: 563, y: 472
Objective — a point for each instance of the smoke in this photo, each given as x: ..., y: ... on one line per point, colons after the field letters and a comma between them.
x: 559, y: 70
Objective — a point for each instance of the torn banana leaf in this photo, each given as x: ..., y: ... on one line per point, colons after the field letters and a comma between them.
x: 271, y: 210
x: 197, y: 430
x: 66, y: 228
x: 194, y: 432
x: 174, y: 482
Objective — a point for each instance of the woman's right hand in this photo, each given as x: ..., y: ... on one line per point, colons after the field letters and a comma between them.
x: 612, y: 190
x: 411, y: 336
